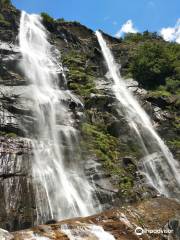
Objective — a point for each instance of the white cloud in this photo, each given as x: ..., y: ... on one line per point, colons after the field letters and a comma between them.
x: 127, y: 27
x: 171, y: 34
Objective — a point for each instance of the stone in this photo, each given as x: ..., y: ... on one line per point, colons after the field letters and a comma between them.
x: 121, y: 223
x: 128, y: 161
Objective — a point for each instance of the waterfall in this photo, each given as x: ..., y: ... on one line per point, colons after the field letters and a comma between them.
x: 162, y: 171
x: 61, y: 188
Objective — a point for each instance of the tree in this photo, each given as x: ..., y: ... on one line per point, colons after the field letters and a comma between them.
x: 47, y: 18
x: 151, y: 64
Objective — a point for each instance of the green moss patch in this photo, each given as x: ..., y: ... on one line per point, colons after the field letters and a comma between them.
x: 81, y: 75
x: 109, y: 150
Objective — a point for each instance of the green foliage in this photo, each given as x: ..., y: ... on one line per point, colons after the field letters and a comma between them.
x: 172, y: 85
x: 151, y: 64
x: 137, y: 37
x: 60, y: 20
x: 8, y: 135
x: 74, y: 58
x: 47, y: 18
x: 103, y: 139
x: 109, y: 149
x: 150, y: 35
x: 83, y: 90
x: 11, y: 135
x: 175, y: 143
x: 1, y: 17
x: 154, y: 63
x: 81, y: 77
x: 126, y: 184
x: 3, y: 21
x: 160, y: 91
x: 5, y: 3
x: 78, y: 75
x: 176, y: 123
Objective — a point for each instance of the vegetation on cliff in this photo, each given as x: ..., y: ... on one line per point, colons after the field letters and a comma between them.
x: 5, y: 3
x: 80, y: 75
x: 151, y: 61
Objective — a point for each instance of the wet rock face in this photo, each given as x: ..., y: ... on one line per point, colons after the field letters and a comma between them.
x: 105, y: 191
x: 174, y: 226
x: 9, y: 22
x: 14, y: 109
x: 17, y: 207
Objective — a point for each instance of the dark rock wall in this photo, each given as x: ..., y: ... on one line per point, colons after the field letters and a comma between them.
x: 16, y: 191
x: 17, y: 205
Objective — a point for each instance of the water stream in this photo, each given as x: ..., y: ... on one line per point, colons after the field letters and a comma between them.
x: 86, y: 232
x: 61, y: 188
x: 162, y: 171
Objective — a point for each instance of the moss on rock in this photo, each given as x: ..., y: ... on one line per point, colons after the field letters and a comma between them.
x: 80, y: 73
x: 110, y: 151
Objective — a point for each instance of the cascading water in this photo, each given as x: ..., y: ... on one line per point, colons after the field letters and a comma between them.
x: 160, y: 168
x: 62, y: 190
x: 86, y: 232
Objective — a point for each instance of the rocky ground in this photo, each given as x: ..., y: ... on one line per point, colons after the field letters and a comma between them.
x: 111, y: 154
x: 158, y: 215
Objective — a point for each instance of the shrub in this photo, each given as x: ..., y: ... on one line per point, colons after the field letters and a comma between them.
x: 5, y: 2
x: 11, y: 135
x: 1, y: 17
x: 60, y: 20
x: 137, y: 37
x: 172, y: 85
x: 151, y: 64
x: 47, y: 18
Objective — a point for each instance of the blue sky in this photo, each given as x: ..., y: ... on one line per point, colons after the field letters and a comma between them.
x: 109, y: 15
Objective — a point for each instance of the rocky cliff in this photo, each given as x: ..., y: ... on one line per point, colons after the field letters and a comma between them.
x: 110, y: 151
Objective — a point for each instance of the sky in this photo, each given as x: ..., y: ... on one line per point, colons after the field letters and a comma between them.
x: 114, y: 17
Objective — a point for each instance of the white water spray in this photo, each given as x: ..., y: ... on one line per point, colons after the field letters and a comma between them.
x: 86, y: 232
x: 62, y: 190
x: 161, y: 169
